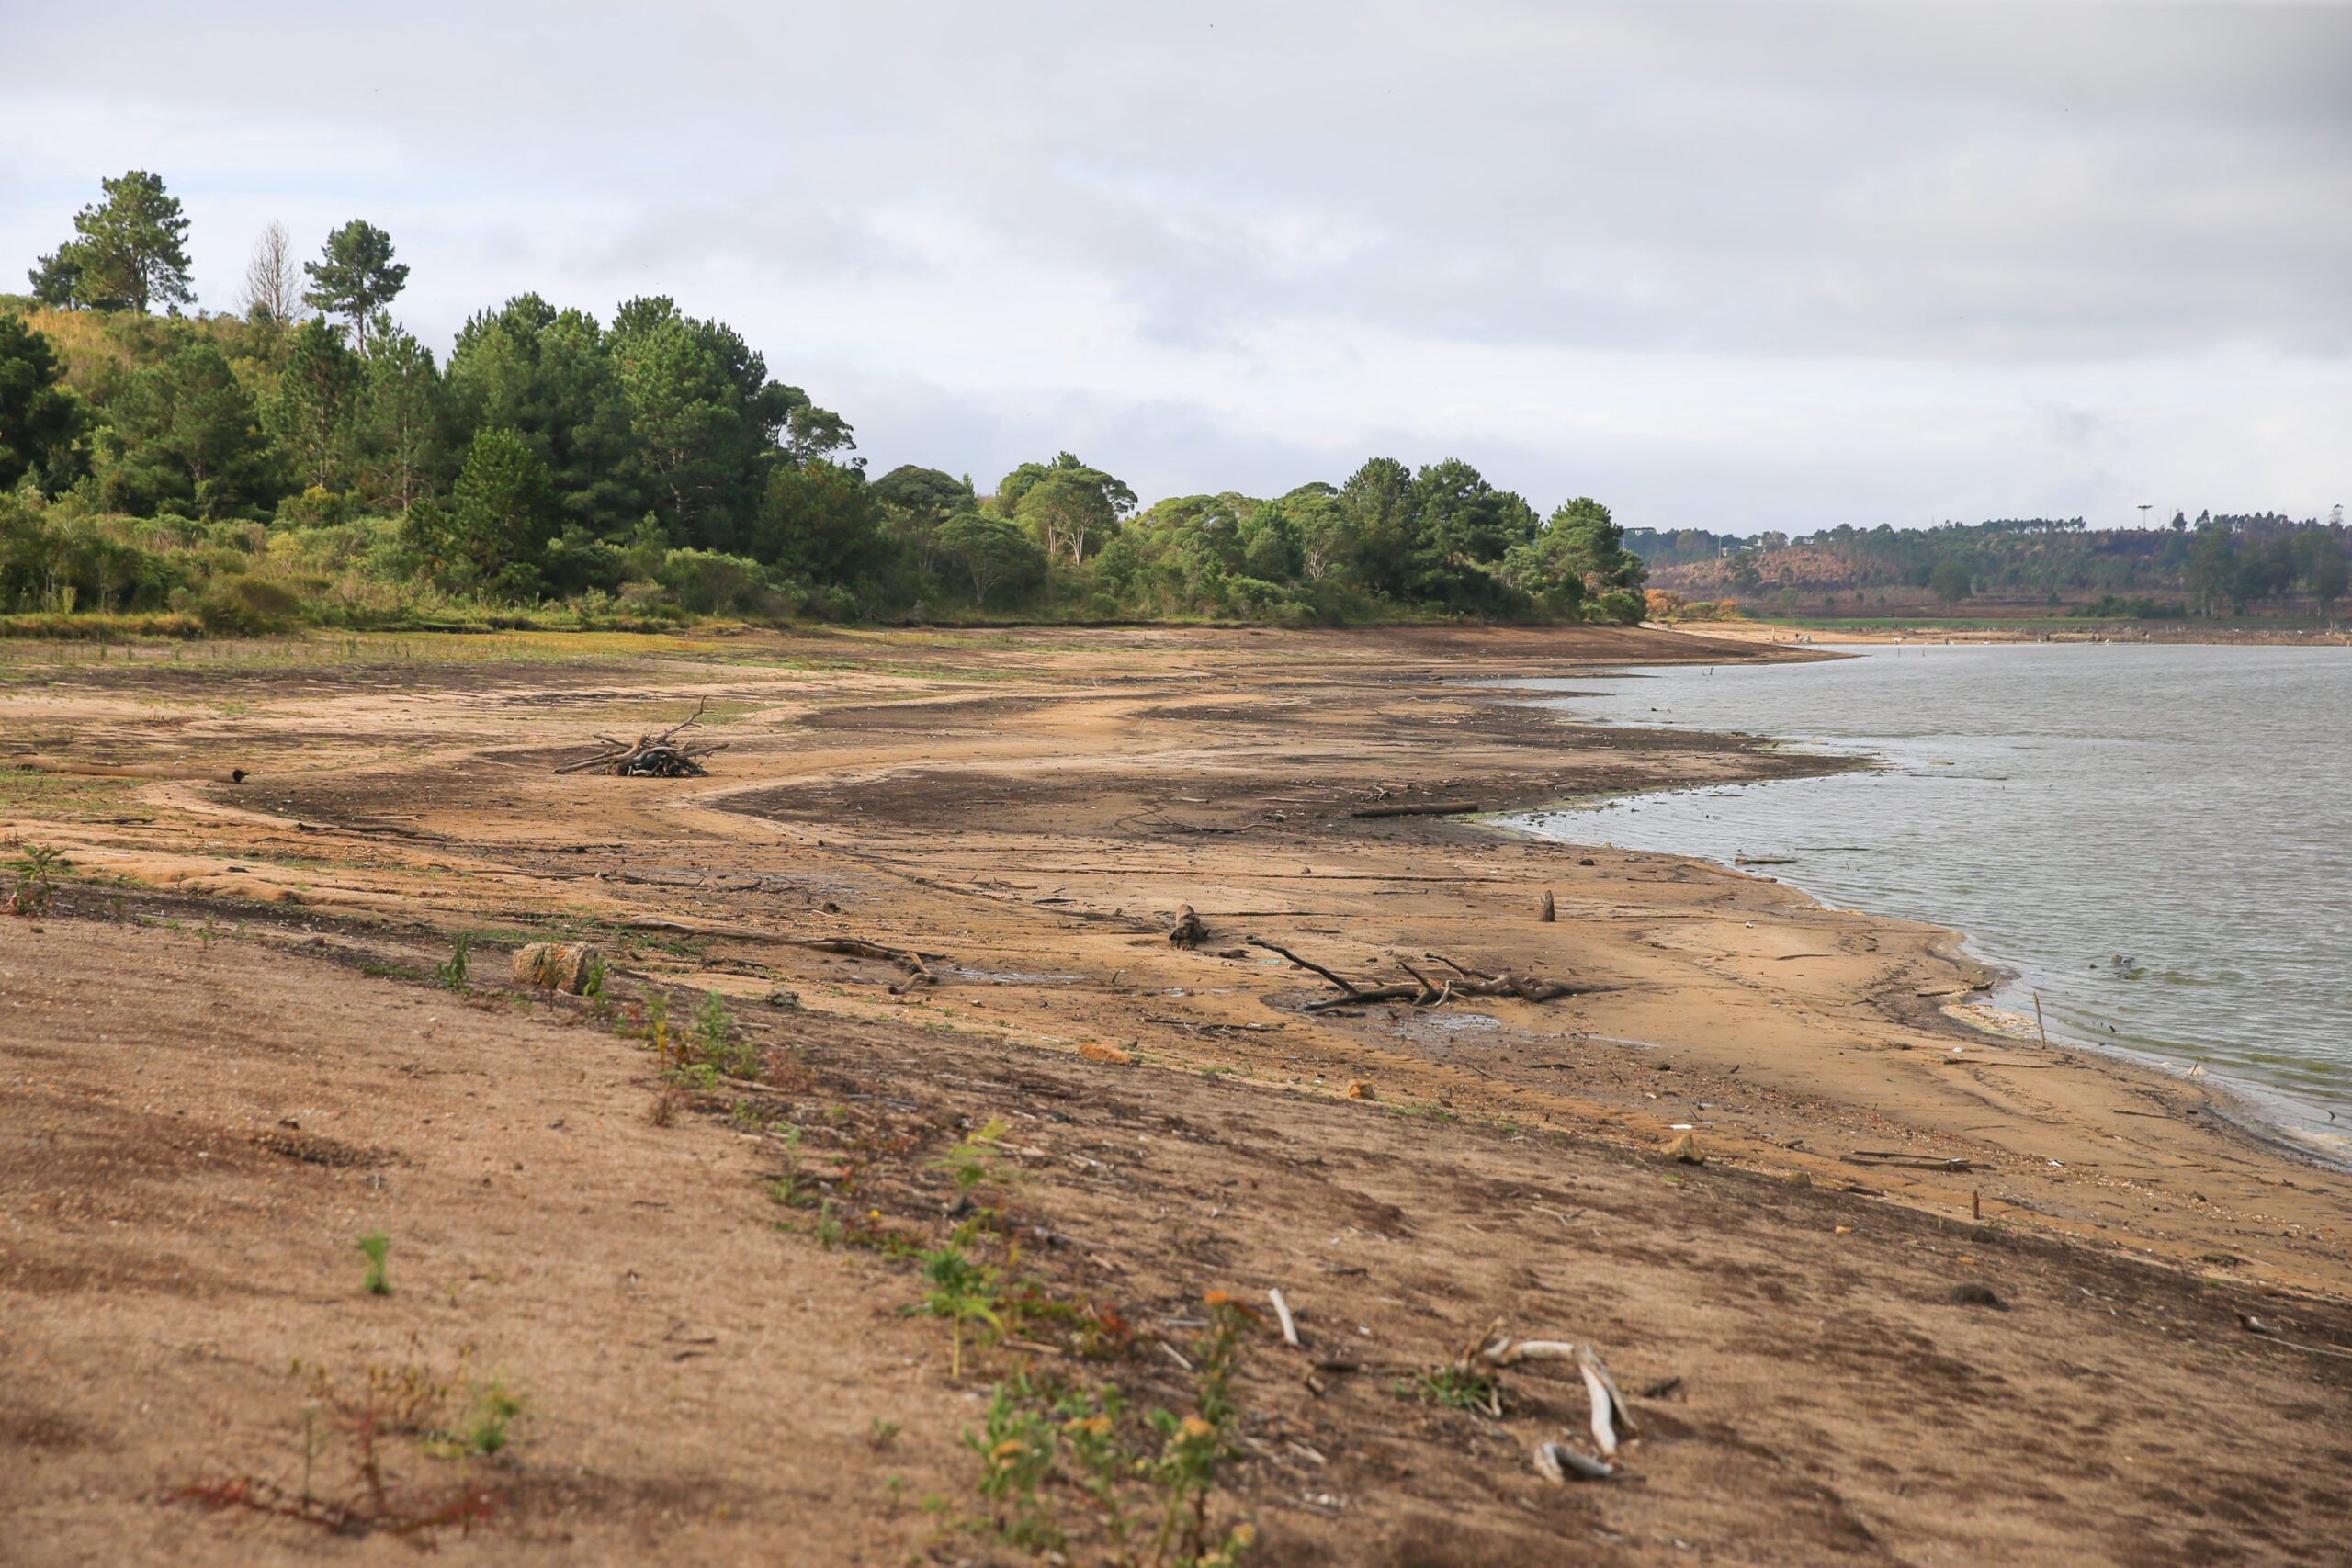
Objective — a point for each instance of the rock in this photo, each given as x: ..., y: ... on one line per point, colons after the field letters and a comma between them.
x: 1359, y: 1089
x: 1110, y: 1053
x: 1976, y: 1296
x: 780, y: 997
x: 1684, y: 1150
x: 1547, y: 912
x: 556, y: 965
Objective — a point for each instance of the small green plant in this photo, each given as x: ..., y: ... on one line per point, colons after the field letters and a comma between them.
x: 591, y: 979
x: 1456, y: 1389
x: 450, y: 974
x: 36, y: 872
x: 711, y: 1022
x: 376, y: 1246
x: 880, y: 1434
x: 790, y: 1186
x: 830, y: 1231
x: 1146, y: 1486
x: 962, y: 1291
x: 494, y: 1410
x: 656, y: 1027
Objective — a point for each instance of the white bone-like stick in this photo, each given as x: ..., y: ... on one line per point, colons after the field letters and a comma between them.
x: 1281, y: 1310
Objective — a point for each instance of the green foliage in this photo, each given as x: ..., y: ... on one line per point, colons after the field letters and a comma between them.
x: 450, y: 974
x: 1061, y: 1465
x: 1455, y: 1388
x: 992, y: 551
x: 42, y: 422
x: 355, y: 277
x: 183, y: 436
x: 376, y: 1246
x: 502, y: 512
x: 313, y: 413
x: 1067, y: 505
x: 128, y: 252
x: 36, y: 872
x: 961, y: 1291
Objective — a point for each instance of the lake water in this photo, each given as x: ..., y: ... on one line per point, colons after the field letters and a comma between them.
x: 2154, y: 837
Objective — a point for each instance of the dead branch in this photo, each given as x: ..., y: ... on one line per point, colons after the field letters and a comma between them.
x: 1303, y: 963
x: 651, y: 756
x: 1188, y: 931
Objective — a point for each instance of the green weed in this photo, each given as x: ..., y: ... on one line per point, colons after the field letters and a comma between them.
x: 450, y: 976
x: 962, y: 1291
x: 36, y: 872
x: 1056, y: 1464
x: 376, y: 1246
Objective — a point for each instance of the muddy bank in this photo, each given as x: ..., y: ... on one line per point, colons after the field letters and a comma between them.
x: 705, y: 1374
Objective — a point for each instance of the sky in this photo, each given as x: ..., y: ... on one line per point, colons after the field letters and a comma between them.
x: 1735, y: 266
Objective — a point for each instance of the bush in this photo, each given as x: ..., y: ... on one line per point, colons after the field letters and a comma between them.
x: 708, y: 583
x: 246, y: 605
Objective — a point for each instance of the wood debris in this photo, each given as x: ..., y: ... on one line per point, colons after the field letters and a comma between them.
x: 1422, y: 992
x: 650, y: 756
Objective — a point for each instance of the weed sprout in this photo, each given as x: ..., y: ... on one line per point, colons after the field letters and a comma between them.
x: 376, y: 1246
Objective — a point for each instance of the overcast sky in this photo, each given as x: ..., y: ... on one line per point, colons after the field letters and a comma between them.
x: 1733, y: 266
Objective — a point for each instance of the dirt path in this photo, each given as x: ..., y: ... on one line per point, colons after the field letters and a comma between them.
x: 1032, y: 809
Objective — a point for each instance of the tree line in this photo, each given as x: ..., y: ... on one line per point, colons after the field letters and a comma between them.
x: 646, y: 460
x: 2219, y: 564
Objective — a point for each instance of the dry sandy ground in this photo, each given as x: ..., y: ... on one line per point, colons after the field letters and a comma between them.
x: 221, y: 1062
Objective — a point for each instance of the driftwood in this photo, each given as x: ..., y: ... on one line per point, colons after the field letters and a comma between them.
x: 1612, y: 1420
x: 650, y: 756
x: 1420, y: 992
x: 1419, y: 808
x: 133, y: 770
x: 1188, y: 933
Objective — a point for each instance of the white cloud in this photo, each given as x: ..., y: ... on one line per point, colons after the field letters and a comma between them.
x: 1743, y: 264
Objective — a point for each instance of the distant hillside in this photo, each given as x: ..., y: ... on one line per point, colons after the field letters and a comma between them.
x: 2260, y: 563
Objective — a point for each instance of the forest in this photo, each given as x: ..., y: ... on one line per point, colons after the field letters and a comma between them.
x: 2220, y: 565
x: 305, y: 460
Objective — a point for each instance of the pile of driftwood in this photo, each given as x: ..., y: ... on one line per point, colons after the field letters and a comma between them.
x: 1421, y: 992
x: 662, y: 756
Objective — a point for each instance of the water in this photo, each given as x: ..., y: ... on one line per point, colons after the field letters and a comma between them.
x: 2154, y: 837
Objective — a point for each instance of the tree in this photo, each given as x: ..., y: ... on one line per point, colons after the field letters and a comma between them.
x: 915, y: 502
x: 57, y: 277
x: 313, y: 410
x: 549, y: 376
x: 1069, y: 504
x: 42, y: 424
x: 401, y: 413
x: 271, y: 289
x: 503, y: 509
x: 818, y: 520
x: 2213, y: 573
x: 131, y: 250
x: 992, y: 548
x: 356, y: 277
x: 183, y: 436
x: 2320, y: 562
x: 1948, y: 581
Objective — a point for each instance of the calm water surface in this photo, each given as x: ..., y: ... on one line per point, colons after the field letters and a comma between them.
x: 2154, y: 837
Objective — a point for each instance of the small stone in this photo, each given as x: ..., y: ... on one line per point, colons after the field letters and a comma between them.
x: 1359, y: 1089
x: 781, y: 997
x: 1684, y: 1150
x: 1975, y: 1295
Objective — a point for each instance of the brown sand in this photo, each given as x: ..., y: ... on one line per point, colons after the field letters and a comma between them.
x: 202, y: 1113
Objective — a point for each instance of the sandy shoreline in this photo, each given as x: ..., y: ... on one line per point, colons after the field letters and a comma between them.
x: 1033, y: 808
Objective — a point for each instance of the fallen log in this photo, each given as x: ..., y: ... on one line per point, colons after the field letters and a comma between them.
x: 1419, y: 808
x: 133, y: 770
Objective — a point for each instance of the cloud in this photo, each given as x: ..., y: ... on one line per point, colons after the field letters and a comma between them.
x: 1737, y: 260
